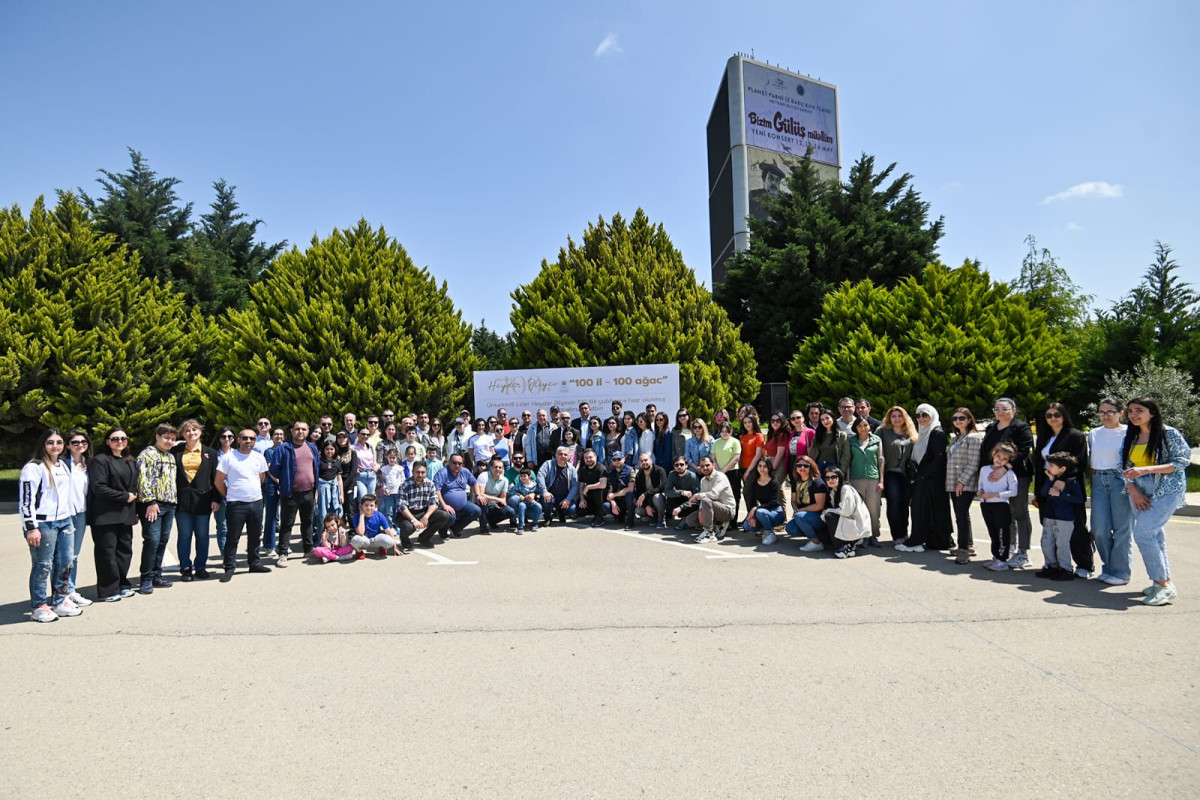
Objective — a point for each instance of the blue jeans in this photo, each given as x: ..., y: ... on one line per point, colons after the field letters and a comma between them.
x: 365, y: 484
x: 189, y: 525
x: 51, y: 561
x: 1112, y: 515
x: 222, y: 525
x: 495, y: 514
x: 329, y: 501
x: 526, y: 512
x: 270, y: 520
x: 387, y: 507
x: 806, y: 523
x: 77, y: 535
x: 897, y: 492
x: 464, y: 516
x: 155, y: 536
x: 768, y: 519
x: 1148, y: 529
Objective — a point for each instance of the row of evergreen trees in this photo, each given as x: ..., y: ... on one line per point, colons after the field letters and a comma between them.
x: 120, y: 309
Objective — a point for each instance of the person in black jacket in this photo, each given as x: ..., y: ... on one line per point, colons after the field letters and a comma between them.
x: 1058, y: 435
x: 648, y: 486
x: 113, y: 511
x: 1008, y: 428
x: 195, y: 473
x: 930, y: 504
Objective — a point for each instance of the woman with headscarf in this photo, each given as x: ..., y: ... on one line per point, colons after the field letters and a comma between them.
x: 930, y: 505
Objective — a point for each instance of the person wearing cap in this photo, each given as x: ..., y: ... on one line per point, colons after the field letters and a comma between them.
x: 456, y: 442
x: 617, y: 500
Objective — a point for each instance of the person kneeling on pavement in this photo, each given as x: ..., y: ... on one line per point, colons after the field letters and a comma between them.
x: 713, y: 505
x: 593, y: 485
x: 372, y: 529
x: 493, y: 496
x: 847, y: 519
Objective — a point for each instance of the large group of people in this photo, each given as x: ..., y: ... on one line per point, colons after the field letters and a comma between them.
x: 822, y: 476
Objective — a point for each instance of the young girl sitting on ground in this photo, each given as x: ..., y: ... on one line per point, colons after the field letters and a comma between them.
x: 334, y: 544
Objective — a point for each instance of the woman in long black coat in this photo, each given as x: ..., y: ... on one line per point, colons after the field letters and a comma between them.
x: 1058, y: 435
x: 930, y: 506
x: 112, y: 510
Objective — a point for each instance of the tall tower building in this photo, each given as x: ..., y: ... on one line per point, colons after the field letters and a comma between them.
x: 763, y: 121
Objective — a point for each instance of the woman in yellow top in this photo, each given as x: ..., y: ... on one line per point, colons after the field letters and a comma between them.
x: 1155, y: 457
x: 195, y: 473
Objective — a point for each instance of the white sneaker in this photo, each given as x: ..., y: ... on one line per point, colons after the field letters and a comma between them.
x: 812, y: 547
x: 1082, y: 573
x: 770, y: 538
x: 1111, y: 581
x: 706, y: 536
x: 903, y: 548
x: 281, y: 561
x: 67, y: 609
x: 721, y: 529
x: 43, y: 614
x: 1161, y: 596
x: 79, y: 600
x: 920, y: 548
x: 996, y: 565
x: 1018, y: 561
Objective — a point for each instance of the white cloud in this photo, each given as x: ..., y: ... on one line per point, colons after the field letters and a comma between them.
x: 1089, y: 189
x: 609, y: 46
x: 1071, y: 226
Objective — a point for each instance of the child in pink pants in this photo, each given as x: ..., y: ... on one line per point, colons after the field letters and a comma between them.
x: 334, y: 545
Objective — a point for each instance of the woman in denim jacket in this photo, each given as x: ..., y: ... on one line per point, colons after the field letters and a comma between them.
x: 1155, y: 457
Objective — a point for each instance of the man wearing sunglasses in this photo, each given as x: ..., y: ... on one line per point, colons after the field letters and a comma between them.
x: 682, y: 483
x: 240, y: 475
x: 262, y: 442
x: 713, y: 504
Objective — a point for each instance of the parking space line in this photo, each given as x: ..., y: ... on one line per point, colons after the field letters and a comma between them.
x: 442, y: 561
x: 709, y: 553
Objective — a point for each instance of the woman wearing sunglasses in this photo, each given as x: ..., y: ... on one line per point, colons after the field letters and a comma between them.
x: 1060, y: 435
x: 113, y: 511
x: 962, y: 478
x: 79, y: 457
x: 847, y: 519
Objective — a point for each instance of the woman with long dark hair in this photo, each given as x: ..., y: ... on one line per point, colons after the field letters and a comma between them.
x: 830, y: 446
x: 113, y: 511
x: 195, y: 481
x: 349, y: 464
x: 222, y: 442
x: 680, y: 434
x: 962, y: 478
x: 614, y: 439
x: 47, y: 516
x: 764, y: 513
x: 846, y: 518
x: 1008, y: 427
x: 1155, y: 457
x: 866, y: 471
x: 930, y: 504
x: 1112, y: 514
x: 79, y: 453
x: 631, y: 437
x: 898, y: 435
x: 1058, y: 435
x: 664, y: 441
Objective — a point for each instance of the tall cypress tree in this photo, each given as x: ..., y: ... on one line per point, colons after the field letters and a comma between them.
x: 625, y: 296
x: 950, y: 338
x: 85, y: 341
x: 350, y: 324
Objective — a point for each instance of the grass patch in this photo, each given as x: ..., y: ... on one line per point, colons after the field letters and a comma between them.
x: 1193, y: 478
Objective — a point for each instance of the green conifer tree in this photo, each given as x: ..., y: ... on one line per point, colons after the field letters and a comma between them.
x: 625, y: 296
x: 950, y: 338
x: 350, y: 324
x: 85, y: 341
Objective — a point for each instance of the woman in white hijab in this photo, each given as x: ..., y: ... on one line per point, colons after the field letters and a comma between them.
x: 930, y: 506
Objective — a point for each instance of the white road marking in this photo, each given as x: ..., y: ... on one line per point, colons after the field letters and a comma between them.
x: 709, y: 553
x: 442, y: 561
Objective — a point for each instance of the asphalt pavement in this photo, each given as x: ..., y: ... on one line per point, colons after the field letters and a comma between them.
x: 579, y: 662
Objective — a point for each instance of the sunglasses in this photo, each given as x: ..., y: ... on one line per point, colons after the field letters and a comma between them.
x: 76, y: 442
x: 245, y: 438
x: 958, y: 418
x: 262, y: 423
x: 118, y: 438
x: 680, y: 464
x: 804, y: 467
x: 226, y: 436
x: 922, y: 414
x: 1053, y: 415
x: 831, y: 477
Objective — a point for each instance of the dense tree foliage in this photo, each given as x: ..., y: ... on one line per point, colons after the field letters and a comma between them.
x: 950, y: 338
x: 625, y: 296
x: 1047, y: 287
x: 493, y: 350
x: 349, y: 324
x: 212, y: 263
x: 85, y: 341
x: 820, y: 234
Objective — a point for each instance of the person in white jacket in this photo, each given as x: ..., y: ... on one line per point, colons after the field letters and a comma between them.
x: 847, y: 520
x: 47, y: 518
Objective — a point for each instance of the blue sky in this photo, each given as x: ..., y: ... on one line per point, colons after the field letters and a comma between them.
x: 481, y: 136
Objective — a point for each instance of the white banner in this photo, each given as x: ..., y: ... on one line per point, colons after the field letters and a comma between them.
x: 787, y: 114
x: 518, y: 389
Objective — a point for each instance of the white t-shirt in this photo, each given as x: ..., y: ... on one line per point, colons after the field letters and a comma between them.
x: 1105, y: 444
x: 243, y: 475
